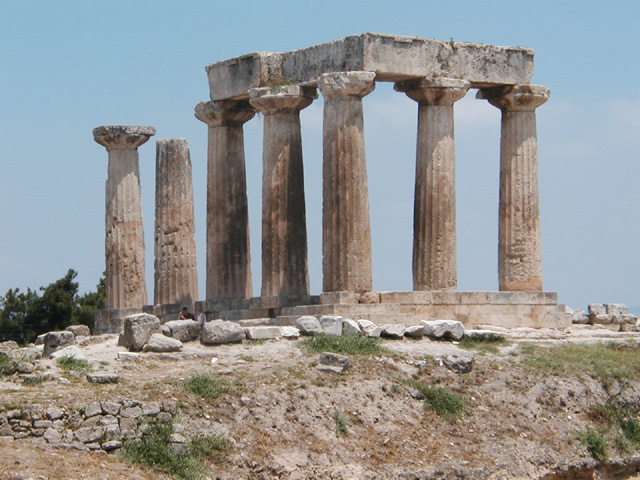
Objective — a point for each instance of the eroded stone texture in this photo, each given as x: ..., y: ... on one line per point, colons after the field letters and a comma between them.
x: 176, y: 278
x: 434, y: 214
x: 284, y: 231
x: 228, y: 255
x: 124, y: 242
x: 519, y: 243
x: 346, y: 240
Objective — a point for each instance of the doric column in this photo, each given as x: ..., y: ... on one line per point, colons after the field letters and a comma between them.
x: 434, y: 212
x: 519, y: 247
x: 284, y: 231
x: 228, y: 255
x: 176, y: 277
x: 124, y: 239
x: 346, y: 237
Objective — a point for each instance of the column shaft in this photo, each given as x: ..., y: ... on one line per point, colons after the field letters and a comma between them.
x: 124, y: 239
x: 176, y: 278
x: 346, y: 240
x: 434, y: 214
x: 519, y: 239
x: 284, y: 231
x: 228, y: 254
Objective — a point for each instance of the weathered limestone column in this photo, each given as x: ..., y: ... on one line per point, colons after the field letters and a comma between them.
x: 434, y: 212
x: 346, y: 238
x: 124, y: 240
x: 176, y: 277
x: 284, y: 230
x: 519, y: 247
x: 228, y: 255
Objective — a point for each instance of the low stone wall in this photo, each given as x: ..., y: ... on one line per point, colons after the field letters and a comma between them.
x: 93, y: 426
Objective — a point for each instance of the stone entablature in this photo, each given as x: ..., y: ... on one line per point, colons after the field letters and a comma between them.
x: 391, y: 57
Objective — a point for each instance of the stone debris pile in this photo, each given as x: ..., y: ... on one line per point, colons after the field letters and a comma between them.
x: 613, y: 315
x: 94, y: 426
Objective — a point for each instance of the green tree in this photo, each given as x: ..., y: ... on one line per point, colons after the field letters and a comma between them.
x: 87, y: 304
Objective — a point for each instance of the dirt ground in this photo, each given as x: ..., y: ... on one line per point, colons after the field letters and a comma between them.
x: 280, y: 413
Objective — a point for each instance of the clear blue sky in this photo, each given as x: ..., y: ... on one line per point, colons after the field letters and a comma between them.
x: 67, y: 67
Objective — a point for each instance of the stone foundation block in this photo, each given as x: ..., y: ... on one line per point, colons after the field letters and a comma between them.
x: 331, y: 325
x: 263, y: 333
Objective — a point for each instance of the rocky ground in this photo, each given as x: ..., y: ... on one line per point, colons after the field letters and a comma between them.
x: 280, y: 413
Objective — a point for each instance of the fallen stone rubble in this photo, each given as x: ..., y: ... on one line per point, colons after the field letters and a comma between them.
x: 612, y: 315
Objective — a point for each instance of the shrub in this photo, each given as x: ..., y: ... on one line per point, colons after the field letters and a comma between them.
x: 346, y: 345
x: 153, y: 451
x: 446, y: 403
x: 208, y: 445
x: 206, y: 385
x: 595, y: 442
x: 72, y: 363
x: 342, y: 424
x: 487, y: 344
x: 34, y: 380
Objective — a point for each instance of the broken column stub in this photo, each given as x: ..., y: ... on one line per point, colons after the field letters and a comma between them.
x: 392, y: 57
x: 284, y: 231
x: 228, y: 254
x: 124, y: 241
x: 346, y: 240
x: 519, y: 242
x: 434, y: 215
x: 176, y: 279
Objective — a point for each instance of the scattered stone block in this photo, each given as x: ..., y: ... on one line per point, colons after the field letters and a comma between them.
x: 40, y: 339
x: 70, y: 351
x: 616, y: 308
x: 138, y: 328
x: 92, y: 409
x: 100, y: 378
x: 29, y: 354
x: 130, y: 412
x: 331, y: 324
x: 580, y: 317
x: 151, y: 408
x: 443, y: 329
x: 56, y: 340
x: 54, y: 413
x: 393, y: 330
x: 369, y: 328
x: 79, y: 330
x: 351, y: 328
x: 52, y: 436
x: 128, y: 356
x: 160, y: 344
x: 483, y: 335
x: 263, y: 333
x: 603, y: 319
x: 183, y: 330
x: 459, y: 362
x: 88, y: 434
x: 111, y: 445
x: 178, y: 444
x: 290, y: 332
x: 415, y: 331
x: 309, y: 325
x: 220, y: 331
x: 332, y: 362
x: 596, y: 309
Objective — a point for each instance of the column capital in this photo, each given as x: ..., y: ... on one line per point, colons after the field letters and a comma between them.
x: 122, y: 137
x: 434, y: 90
x: 515, y: 97
x: 285, y: 98
x: 346, y: 84
x: 224, y: 113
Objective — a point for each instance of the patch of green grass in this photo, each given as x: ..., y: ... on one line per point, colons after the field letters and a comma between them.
x: 34, y: 380
x: 72, y: 363
x: 247, y: 358
x: 605, y: 361
x: 255, y: 341
x: 595, y: 442
x: 448, y: 404
x: 488, y: 344
x: 206, y: 446
x: 4, y: 364
x: 206, y: 385
x: 342, y: 424
x: 345, y: 345
x: 153, y: 451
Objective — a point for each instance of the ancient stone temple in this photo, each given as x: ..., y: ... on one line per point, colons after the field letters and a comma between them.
x: 435, y: 74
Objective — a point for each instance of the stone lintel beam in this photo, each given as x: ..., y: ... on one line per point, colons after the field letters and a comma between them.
x: 228, y: 254
x: 392, y: 57
x: 122, y: 137
x: 124, y: 234
x: 434, y: 213
x: 284, y: 231
x: 519, y: 238
x: 346, y: 241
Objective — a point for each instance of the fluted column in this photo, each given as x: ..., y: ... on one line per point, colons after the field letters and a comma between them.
x: 346, y: 237
x: 228, y: 255
x: 284, y: 230
x: 519, y: 244
x: 434, y: 212
x: 124, y: 240
x: 176, y: 277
